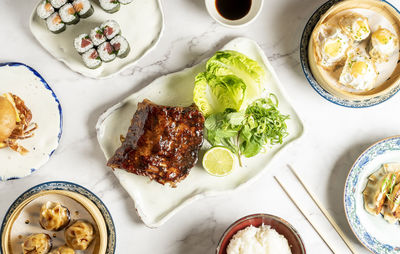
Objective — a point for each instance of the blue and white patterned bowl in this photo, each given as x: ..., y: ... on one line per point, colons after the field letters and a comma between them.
x: 51, y: 187
x: 372, y: 231
x: 30, y: 86
x: 305, y: 39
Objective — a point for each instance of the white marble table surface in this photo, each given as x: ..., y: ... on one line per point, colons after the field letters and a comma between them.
x: 333, y: 139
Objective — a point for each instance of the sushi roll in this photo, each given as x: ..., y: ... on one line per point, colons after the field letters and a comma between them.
x: 83, y: 7
x: 110, y: 29
x: 82, y: 43
x: 110, y: 6
x: 125, y: 1
x: 58, y: 3
x: 97, y: 36
x: 91, y: 59
x: 106, y: 52
x: 68, y: 14
x: 121, y: 46
x: 44, y: 10
x: 55, y: 24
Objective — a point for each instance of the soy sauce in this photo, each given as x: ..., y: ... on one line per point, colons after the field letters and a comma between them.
x: 233, y: 9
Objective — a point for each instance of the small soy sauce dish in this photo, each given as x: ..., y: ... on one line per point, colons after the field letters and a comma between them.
x: 234, y: 13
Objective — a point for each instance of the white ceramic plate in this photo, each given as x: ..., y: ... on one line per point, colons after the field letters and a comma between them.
x: 26, y: 83
x: 374, y: 232
x: 141, y: 24
x: 156, y: 203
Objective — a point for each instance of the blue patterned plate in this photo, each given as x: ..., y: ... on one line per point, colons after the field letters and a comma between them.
x: 373, y: 231
x: 305, y: 38
x: 26, y: 83
x: 50, y: 188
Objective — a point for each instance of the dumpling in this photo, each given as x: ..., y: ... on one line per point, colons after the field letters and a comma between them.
x: 394, y: 201
x: 359, y: 72
x: 63, y: 250
x: 330, y: 46
x: 54, y: 216
x: 378, y: 186
x: 355, y: 26
x: 79, y: 235
x: 382, y: 45
x: 37, y: 244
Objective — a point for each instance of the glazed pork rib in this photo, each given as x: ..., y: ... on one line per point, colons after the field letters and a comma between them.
x: 162, y: 142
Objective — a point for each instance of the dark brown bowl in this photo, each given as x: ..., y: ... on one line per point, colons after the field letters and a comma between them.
x: 280, y: 225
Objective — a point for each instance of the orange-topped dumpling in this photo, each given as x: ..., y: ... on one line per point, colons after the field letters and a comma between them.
x: 54, y: 216
x: 355, y: 26
x: 383, y: 44
x: 330, y: 46
x: 359, y: 71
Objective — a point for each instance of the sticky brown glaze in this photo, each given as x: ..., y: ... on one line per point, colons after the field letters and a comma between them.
x: 162, y: 142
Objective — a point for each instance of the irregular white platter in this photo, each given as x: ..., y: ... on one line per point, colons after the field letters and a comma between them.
x: 156, y: 203
x: 26, y: 83
x: 141, y: 24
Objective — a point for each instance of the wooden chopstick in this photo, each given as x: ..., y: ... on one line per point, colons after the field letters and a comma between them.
x: 324, y: 211
x: 304, y: 214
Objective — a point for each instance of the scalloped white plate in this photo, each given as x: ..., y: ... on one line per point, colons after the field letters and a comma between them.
x: 26, y: 83
x: 373, y: 232
x: 156, y: 203
x: 141, y: 23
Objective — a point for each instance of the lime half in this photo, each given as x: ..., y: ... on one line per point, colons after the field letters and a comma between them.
x: 219, y: 161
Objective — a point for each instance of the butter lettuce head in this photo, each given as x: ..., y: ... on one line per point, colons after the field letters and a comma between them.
x: 203, y: 97
x: 231, y: 80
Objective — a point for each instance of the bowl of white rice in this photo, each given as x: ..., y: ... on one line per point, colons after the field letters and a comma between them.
x: 261, y: 234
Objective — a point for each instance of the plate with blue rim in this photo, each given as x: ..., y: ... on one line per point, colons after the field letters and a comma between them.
x: 25, y: 82
x: 305, y: 39
x: 67, y: 187
x: 372, y: 231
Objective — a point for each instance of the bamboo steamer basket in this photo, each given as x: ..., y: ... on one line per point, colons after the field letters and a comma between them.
x: 322, y: 76
x: 100, y: 242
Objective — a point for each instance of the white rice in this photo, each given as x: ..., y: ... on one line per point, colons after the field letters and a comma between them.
x: 89, y: 61
x: 86, y: 6
x: 114, y: 25
x: 108, y: 4
x: 42, y: 12
x: 97, y: 41
x: 261, y: 240
x: 58, y: 3
x: 125, y: 1
x: 103, y: 53
x: 65, y: 15
x: 54, y: 27
x: 124, y: 46
x: 78, y: 44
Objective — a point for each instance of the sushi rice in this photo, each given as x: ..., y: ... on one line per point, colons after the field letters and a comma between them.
x: 110, y: 29
x: 82, y: 43
x: 91, y: 59
x: 125, y: 1
x: 110, y: 6
x: 58, y: 3
x: 97, y: 36
x: 68, y: 14
x: 121, y: 46
x: 44, y: 9
x: 106, y: 52
x: 54, y: 23
x: 83, y: 7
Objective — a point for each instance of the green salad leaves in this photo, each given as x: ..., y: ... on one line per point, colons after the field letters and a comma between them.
x: 231, y: 80
x: 247, y: 132
x: 228, y: 94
